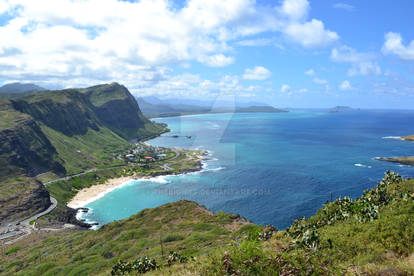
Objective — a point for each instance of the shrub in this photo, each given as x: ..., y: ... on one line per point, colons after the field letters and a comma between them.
x: 12, y: 250
x: 173, y: 237
x: 140, y: 265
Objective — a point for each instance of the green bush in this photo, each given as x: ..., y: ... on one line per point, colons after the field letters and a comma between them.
x: 173, y: 237
x: 140, y: 265
x: 12, y: 250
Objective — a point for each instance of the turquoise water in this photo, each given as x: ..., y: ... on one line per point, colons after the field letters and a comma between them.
x: 271, y: 167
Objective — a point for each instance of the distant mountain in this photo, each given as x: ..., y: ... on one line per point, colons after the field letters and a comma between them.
x: 154, y: 107
x: 18, y: 87
x: 254, y: 109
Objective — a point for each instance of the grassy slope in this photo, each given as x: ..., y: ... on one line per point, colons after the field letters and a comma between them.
x: 182, y: 226
x: 345, y: 246
x: 82, y: 152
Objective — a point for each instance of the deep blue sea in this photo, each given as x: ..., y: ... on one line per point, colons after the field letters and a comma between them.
x: 271, y: 167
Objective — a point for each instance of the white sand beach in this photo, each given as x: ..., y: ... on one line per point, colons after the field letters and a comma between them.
x: 94, y: 192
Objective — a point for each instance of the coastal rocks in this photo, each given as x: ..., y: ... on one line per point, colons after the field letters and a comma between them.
x: 66, y: 215
x: 405, y: 160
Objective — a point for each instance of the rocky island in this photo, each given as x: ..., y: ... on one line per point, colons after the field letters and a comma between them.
x: 405, y: 160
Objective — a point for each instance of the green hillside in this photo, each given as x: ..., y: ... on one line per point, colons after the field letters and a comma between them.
x: 50, y: 134
x: 371, y: 235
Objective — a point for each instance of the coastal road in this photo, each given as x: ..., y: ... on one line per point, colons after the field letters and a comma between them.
x: 24, y: 226
x: 47, y: 211
x: 70, y: 176
x: 174, y: 157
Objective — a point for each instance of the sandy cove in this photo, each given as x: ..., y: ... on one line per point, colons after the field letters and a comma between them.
x: 94, y: 192
x: 88, y: 195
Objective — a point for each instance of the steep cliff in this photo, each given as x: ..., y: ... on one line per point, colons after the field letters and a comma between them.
x: 24, y: 152
x: 24, y: 148
x: 26, y: 197
x: 117, y: 109
x: 65, y: 111
x: 62, y: 132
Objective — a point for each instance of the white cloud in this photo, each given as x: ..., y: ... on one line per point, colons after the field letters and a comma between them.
x: 4, y: 6
x: 320, y: 81
x: 218, y: 60
x: 260, y: 42
x: 311, y: 34
x: 303, y: 90
x: 394, y: 45
x: 346, y: 86
x: 344, y: 6
x: 350, y: 55
x: 192, y: 86
x: 365, y: 68
x: 75, y: 42
x: 285, y: 88
x: 295, y: 9
x: 310, y: 72
x: 255, y: 42
x: 257, y: 73
x: 362, y: 63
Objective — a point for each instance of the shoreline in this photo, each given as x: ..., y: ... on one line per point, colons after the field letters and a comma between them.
x: 95, y: 192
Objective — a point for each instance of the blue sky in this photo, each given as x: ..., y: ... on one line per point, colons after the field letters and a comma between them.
x: 291, y: 53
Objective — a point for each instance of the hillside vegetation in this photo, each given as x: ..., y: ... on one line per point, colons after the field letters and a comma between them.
x: 49, y: 134
x: 371, y: 235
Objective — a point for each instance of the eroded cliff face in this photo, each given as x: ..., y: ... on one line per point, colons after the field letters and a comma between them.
x: 31, y: 198
x: 24, y: 152
x: 121, y: 114
x: 70, y: 115
x: 24, y: 149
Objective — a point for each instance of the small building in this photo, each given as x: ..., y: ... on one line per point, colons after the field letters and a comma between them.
x: 148, y: 158
x: 130, y: 157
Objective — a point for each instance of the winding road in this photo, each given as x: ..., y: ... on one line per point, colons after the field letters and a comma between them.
x: 24, y: 227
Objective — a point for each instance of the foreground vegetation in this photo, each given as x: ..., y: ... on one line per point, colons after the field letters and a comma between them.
x: 371, y: 235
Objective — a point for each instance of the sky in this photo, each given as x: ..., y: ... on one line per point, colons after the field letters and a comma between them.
x: 290, y: 53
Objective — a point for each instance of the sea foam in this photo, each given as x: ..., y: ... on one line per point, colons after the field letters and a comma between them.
x: 362, y: 166
x: 392, y: 137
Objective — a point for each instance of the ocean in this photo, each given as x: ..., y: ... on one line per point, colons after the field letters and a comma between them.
x: 270, y: 167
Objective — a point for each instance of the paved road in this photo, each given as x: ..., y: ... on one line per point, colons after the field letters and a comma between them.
x: 47, y: 211
x: 24, y: 227
x: 70, y: 176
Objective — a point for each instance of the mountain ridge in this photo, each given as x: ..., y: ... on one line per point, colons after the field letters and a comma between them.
x: 155, y: 107
x: 64, y: 132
